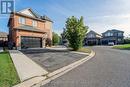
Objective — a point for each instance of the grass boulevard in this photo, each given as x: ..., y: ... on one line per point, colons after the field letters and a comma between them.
x: 8, y: 74
x: 123, y: 47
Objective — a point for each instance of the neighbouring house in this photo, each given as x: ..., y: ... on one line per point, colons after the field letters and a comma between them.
x: 3, y: 38
x: 27, y: 29
x: 92, y: 38
x: 113, y: 35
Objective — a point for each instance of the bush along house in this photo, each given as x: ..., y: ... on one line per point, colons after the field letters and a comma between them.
x: 115, y: 36
x: 29, y: 30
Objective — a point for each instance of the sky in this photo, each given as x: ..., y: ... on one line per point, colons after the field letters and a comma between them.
x: 99, y: 15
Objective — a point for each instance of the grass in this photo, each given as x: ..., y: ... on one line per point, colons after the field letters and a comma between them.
x: 8, y: 74
x: 123, y: 47
x: 85, y: 50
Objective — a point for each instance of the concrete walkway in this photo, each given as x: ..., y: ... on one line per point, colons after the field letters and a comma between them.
x: 25, y: 67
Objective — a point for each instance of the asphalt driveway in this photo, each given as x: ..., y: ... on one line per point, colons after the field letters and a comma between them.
x: 109, y: 68
x: 54, y: 58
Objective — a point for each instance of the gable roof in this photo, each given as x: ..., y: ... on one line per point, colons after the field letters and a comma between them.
x: 91, y: 31
x: 113, y: 30
x: 3, y: 34
x: 45, y: 18
x: 31, y: 13
x: 28, y: 12
x: 96, y: 34
x: 29, y: 28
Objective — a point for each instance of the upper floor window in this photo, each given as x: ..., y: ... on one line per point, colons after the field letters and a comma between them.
x: 109, y: 34
x: 34, y: 23
x: 91, y: 36
x: 21, y: 20
x: 120, y: 34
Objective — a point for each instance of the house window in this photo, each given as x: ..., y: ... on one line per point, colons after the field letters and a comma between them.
x: 91, y: 36
x: 109, y: 34
x: 106, y: 34
x: 34, y: 23
x: 120, y: 34
x: 119, y: 40
x: 21, y: 20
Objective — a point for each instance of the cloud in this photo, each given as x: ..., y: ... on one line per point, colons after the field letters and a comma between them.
x: 118, y: 16
x: 103, y: 23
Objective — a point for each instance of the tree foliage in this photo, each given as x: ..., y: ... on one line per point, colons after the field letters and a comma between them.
x: 55, y: 39
x: 75, y: 32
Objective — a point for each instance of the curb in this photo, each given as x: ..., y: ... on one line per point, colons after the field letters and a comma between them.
x: 73, y: 65
x: 62, y: 71
x: 42, y: 80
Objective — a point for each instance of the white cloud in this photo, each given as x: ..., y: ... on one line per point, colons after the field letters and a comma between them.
x: 103, y: 23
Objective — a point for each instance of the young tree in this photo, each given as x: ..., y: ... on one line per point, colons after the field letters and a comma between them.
x: 75, y: 32
x: 55, y: 39
x: 63, y: 37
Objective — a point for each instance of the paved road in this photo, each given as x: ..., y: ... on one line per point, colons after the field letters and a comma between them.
x: 109, y: 68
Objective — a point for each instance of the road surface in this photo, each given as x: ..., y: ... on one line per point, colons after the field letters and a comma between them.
x: 109, y: 68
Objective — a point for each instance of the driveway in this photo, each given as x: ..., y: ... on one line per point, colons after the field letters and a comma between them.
x: 109, y: 68
x: 53, y: 58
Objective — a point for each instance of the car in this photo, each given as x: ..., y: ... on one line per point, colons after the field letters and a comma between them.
x: 111, y: 43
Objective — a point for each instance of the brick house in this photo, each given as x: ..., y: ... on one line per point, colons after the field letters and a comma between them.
x: 29, y: 30
x: 3, y: 38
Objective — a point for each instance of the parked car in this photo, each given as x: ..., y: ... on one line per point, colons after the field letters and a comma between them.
x: 111, y: 43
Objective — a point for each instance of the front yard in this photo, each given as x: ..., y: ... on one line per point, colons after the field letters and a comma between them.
x: 123, y: 47
x: 8, y: 74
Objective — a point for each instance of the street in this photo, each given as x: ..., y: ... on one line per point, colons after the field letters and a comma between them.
x: 109, y: 68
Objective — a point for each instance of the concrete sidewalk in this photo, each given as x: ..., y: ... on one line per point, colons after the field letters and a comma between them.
x: 25, y: 67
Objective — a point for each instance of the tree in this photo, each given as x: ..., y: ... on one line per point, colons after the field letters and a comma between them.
x: 55, y: 39
x: 63, y: 37
x: 75, y: 32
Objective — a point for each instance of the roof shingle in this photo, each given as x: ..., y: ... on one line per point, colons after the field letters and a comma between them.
x: 29, y: 28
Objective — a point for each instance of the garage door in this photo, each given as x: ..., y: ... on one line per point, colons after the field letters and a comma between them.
x: 31, y: 42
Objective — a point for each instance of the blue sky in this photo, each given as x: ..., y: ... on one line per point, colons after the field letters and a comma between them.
x: 99, y: 15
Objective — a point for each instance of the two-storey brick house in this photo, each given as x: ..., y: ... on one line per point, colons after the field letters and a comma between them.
x: 29, y: 30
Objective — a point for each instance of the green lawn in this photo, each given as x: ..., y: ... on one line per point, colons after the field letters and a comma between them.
x: 123, y: 47
x: 85, y: 50
x: 8, y: 74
